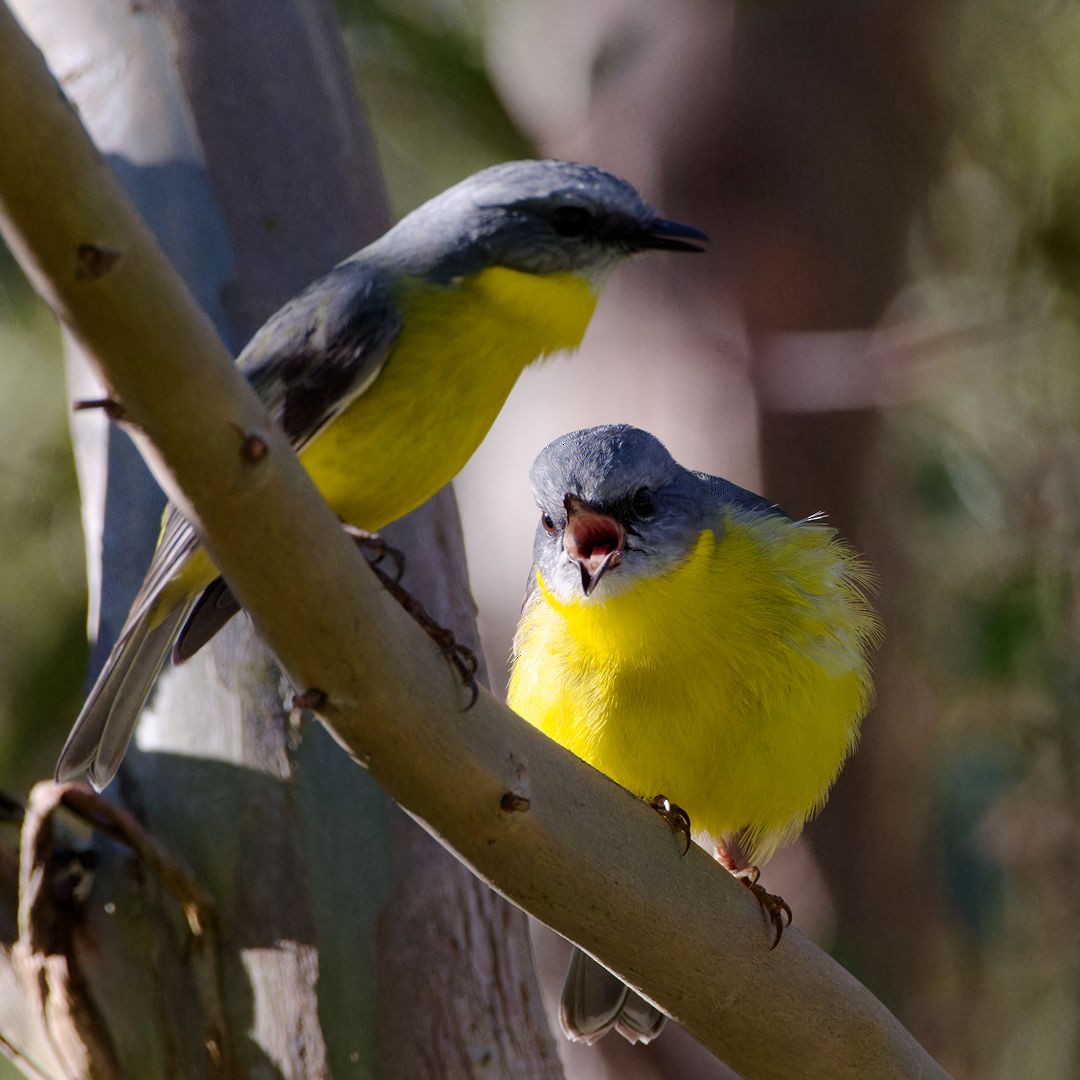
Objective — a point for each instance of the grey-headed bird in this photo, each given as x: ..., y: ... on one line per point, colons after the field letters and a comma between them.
x: 688, y: 639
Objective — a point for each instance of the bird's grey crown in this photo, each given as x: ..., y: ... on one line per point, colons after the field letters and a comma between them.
x: 503, y: 216
x: 601, y: 465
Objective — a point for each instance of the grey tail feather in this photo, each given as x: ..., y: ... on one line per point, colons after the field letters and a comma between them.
x: 97, y: 743
x: 594, y: 1001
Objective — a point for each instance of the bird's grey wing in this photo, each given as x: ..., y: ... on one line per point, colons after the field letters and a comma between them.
x: 322, y: 349
x: 308, y: 362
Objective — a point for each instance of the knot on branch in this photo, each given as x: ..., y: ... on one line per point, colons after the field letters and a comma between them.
x: 94, y: 261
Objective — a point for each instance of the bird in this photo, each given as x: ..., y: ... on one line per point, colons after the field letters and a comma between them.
x: 707, y: 652
x: 386, y: 373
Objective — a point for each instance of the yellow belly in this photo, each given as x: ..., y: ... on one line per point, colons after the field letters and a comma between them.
x: 734, y: 685
x: 451, y: 369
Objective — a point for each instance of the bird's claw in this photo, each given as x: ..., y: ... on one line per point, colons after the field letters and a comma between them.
x: 376, y: 549
x: 461, y: 657
x: 677, y: 818
x: 775, y: 907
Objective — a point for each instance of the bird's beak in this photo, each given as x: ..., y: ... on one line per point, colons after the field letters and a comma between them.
x: 595, y: 541
x: 664, y: 235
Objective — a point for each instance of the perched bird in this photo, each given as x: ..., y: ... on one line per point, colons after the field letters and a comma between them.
x: 688, y: 639
x: 386, y: 374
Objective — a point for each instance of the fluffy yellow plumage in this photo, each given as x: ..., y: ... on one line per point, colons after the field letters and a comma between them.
x: 689, y: 640
x: 734, y: 684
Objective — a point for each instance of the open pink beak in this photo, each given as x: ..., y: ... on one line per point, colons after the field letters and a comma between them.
x: 593, y: 540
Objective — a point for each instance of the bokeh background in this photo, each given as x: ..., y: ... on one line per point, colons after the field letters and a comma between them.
x: 886, y: 327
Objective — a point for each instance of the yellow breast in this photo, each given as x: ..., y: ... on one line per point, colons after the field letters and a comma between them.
x: 733, y: 685
x: 460, y: 351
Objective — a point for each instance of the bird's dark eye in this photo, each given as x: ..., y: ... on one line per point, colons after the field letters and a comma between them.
x: 571, y: 220
x: 643, y: 503
x: 548, y: 522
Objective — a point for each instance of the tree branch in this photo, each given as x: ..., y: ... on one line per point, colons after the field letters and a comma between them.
x: 551, y: 834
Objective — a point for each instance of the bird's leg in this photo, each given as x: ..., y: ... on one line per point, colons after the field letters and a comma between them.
x: 463, y: 659
x: 376, y: 549
x: 677, y: 818
x: 776, y: 908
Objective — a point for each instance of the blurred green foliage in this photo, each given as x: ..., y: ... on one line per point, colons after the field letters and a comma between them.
x: 986, y: 510
x: 42, y: 592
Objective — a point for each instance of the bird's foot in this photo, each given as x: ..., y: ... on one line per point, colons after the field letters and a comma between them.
x: 376, y: 550
x: 775, y: 907
x: 677, y: 818
x: 460, y: 657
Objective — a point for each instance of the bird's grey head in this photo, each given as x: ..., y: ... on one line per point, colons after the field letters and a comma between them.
x: 541, y: 217
x: 614, y: 506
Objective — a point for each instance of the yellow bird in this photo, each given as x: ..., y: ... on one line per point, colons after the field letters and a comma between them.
x: 386, y: 374
x: 687, y: 638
